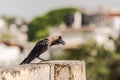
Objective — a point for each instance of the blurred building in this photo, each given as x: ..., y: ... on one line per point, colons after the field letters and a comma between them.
x: 13, y: 30
x: 113, y: 20
x: 13, y: 38
x: 76, y: 29
x: 9, y: 55
x: 18, y: 29
x: 89, y: 26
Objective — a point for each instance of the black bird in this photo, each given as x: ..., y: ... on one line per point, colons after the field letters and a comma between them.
x: 41, y: 47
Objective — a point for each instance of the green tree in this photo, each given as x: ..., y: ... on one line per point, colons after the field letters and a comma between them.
x: 115, y: 62
x: 39, y: 26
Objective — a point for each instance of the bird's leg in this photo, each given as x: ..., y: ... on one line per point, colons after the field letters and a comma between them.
x: 40, y: 58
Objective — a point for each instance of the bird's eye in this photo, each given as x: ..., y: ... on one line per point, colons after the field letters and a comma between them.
x: 60, y: 37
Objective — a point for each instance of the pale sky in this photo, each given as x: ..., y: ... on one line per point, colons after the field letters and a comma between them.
x: 31, y: 8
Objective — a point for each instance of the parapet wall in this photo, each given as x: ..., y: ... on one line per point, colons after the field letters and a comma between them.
x: 47, y: 70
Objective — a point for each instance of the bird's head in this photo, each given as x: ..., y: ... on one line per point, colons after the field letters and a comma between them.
x: 56, y: 40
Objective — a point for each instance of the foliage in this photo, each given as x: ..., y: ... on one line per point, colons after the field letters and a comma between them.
x: 37, y: 29
x: 55, y: 17
x: 39, y: 26
x: 115, y: 62
x: 117, y: 43
x: 7, y: 36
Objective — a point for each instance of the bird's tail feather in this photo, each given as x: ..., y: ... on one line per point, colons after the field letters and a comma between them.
x: 24, y: 61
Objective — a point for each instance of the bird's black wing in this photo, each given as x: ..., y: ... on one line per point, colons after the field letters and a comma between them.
x: 39, y: 48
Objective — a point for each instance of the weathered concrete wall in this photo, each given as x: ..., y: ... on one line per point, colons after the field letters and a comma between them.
x: 48, y: 70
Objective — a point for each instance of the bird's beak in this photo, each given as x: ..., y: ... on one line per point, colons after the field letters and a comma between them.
x: 62, y: 42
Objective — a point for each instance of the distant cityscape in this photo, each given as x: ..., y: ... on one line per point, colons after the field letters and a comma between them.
x: 76, y: 29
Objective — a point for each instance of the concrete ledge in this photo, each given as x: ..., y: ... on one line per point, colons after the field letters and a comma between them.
x: 48, y: 70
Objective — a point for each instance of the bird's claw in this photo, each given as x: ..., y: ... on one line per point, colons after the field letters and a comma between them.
x: 43, y: 61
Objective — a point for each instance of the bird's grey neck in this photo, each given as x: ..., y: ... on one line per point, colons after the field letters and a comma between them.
x: 53, y: 43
